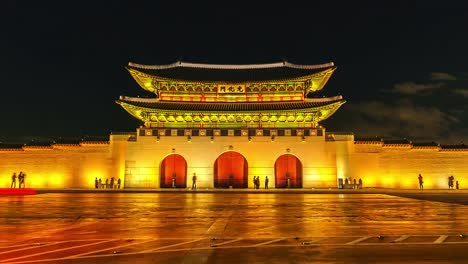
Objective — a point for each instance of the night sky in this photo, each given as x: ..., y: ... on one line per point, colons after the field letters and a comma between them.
x: 402, y: 67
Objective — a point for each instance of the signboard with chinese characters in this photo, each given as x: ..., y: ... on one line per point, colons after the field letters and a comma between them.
x: 231, y: 88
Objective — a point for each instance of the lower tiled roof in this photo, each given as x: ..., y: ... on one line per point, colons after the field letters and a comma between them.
x: 228, y: 106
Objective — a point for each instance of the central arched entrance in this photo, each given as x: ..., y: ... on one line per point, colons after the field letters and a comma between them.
x: 230, y: 169
x: 288, y: 168
x: 173, y: 171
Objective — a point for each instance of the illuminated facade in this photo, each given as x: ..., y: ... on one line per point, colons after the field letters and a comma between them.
x: 228, y: 124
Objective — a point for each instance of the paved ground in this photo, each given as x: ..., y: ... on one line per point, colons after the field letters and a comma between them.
x: 234, y: 227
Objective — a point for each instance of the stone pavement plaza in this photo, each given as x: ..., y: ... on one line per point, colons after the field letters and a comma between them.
x: 235, y: 227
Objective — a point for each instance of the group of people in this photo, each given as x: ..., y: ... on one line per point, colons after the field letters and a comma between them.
x: 21, y: 177
x: 450, y: 179
x: 352, y: 182
x: 256, y: 182
x: 107, y: 185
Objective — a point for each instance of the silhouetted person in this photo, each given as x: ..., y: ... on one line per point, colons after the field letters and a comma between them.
x: 107, y: 183
x: 360, y: 183
x: 13, y: 180
x: 266, y: 182
x: 255, y: 182
x: 194, y: 182
x: 21, y: 179
x: 450, y: 182
x: 96, y: 183
x: 421, y: 182
x: 118, y: 183
x: 100, y: 183
x: 112, y: 183
x: 354, y: 184
x: 457, y: 185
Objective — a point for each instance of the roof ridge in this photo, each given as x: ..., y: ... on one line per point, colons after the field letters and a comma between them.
x: 231, y: 66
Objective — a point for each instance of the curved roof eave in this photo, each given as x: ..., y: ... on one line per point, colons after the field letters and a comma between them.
x: 231, y: 66
x: 136, y: 74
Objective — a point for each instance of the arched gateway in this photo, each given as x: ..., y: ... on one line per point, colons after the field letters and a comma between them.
x: 173, y: 171
x: 230, y: 169
x: 288, y: 168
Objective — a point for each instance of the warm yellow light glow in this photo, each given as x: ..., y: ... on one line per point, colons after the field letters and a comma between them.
x: 407, y: 183
x: 369, y: 181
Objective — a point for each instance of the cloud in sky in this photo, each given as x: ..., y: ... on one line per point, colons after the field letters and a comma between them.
x: 414, y: 88
x: 442, y: 76
x: 439, y: 115
x: 400, y: 119
x: 462, y: 92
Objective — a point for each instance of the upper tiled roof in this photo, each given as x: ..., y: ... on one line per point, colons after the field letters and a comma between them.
x: 230, y: 73
x: 238, y: 106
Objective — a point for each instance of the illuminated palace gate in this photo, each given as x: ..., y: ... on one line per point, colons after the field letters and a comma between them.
x: 230, y: 169
x: 174, y: 170
x: 218, y: 100
x: 288, y: 172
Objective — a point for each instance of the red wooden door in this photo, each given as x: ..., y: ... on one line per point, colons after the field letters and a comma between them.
x: 174, y: 167
x: 230, y: 169
x: 288, y: 166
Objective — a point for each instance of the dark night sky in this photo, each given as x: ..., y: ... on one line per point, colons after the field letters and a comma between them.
x: 401, y: 66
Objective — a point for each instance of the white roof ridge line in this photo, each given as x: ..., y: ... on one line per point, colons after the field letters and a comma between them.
x: 230, y: 66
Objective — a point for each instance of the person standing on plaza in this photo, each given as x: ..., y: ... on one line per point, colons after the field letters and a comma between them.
x: 96, y: 183
x: 255, y: 182
x: 100, y: 183
x: 457, y: 185
x: 21, y: 178
x: 360, y: 183
x: 266, y: 182
x: 118, y: 183
x: 194, y: 181
x: 112, y: 183
x: 107, y: 183
x: 354, y: 184
x: 450, y: 182
x: 13, y: 180
x: 421, y: 182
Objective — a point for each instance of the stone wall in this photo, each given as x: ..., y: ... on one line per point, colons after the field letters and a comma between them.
x: 137, y: 160
x: 59, y: 166
x: 398, y: 166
